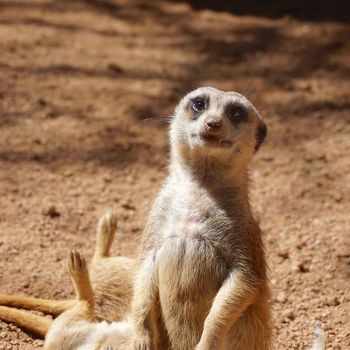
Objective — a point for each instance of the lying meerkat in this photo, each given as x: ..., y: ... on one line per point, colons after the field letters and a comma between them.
x: 76, y: 328
x: 201, y: 282
x: 111, y: 277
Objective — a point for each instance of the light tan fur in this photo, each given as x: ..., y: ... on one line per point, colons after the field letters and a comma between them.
x: 76, y: 328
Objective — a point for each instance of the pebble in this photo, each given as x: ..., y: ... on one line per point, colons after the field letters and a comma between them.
x: 51, y: 211
x: 289, y: 314
x: 281, y: 297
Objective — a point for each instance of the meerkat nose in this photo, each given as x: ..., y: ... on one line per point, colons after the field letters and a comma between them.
x: 213, y: 124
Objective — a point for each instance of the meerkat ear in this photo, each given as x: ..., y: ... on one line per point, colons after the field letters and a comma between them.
x: 260, y: 135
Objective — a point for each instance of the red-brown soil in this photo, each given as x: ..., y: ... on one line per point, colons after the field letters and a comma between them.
x: 79, y: 82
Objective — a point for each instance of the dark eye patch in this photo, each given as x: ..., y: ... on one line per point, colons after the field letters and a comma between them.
x: 199, y: 104
x: 237, y: 114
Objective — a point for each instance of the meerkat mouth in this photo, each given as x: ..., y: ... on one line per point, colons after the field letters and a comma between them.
x: 216, y: 140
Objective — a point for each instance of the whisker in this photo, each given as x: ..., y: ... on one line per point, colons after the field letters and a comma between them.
x: 250, y: 91
x: 162, y: 119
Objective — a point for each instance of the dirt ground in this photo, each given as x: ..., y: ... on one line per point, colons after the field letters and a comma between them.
x: 80, y: 82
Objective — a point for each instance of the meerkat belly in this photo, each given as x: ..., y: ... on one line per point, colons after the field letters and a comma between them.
x: 190, y: 272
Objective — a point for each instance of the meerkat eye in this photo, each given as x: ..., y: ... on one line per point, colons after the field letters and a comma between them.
x: 238, y: 114
x: 199, y: 104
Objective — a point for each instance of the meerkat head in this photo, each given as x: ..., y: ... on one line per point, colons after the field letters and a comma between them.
x: 210, y: 123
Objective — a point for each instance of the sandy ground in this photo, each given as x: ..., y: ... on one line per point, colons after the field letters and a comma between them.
x: 80, y: 81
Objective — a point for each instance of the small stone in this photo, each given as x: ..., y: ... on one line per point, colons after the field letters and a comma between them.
x: 283, y: 254
x: 281, y: 297
x: 107, y: 179
x: 128, y: 206
x: 289, y: 314
x: 42, y: 102
x: 51, y: 211
x: 300, y: 267
x: 337, y: 196
x: 114, y: 68
x: 303, y: 268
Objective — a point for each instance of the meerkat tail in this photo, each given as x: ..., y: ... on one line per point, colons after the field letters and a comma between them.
x: 105, y: 233
x: 38, y: 325
x: 47, y: 306
x: 319, y: 339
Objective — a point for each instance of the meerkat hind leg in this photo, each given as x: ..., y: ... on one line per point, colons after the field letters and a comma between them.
x: 36, y: 324
x: 80, y: 277
x: 46, y: 306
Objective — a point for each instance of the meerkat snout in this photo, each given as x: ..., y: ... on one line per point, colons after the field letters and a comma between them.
x: 212, y: 124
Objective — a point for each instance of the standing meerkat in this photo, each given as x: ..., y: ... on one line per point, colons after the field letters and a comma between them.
x: 201, y: 282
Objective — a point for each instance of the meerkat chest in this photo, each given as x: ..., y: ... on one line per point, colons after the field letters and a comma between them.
x: 192, y: 222
x: 191, y: 261
x: 190, y: 249
x: 194, y: 215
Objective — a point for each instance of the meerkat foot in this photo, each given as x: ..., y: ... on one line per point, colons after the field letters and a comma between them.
x: 105, y: 233
x: 80, y: 276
